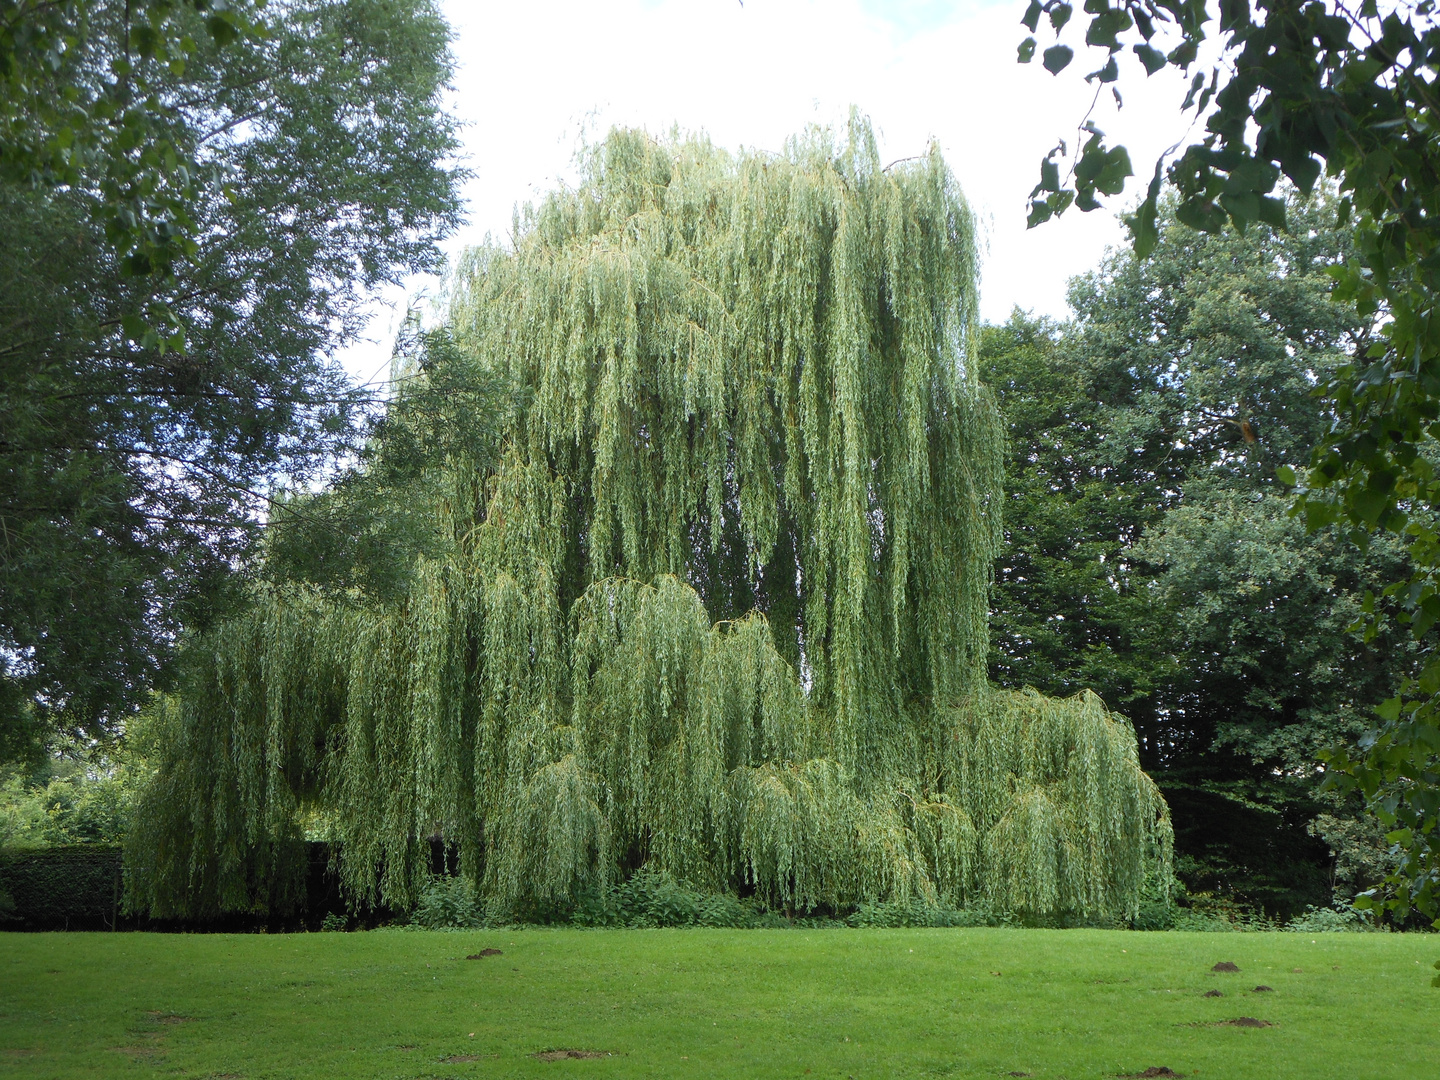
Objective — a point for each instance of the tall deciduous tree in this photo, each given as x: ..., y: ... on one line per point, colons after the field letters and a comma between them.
x: 719, y: 609
x: 132, y: 469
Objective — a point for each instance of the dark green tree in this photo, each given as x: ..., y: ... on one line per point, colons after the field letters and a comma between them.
x: 1064, y: 613
x: 1149, y: 554
x: 425, y: 455
x: 134, y: 471
x: 1298, y: 89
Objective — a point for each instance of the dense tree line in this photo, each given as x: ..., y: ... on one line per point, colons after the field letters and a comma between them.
x: 1152, y: 555
x: 180, y: 252
x: 1345, y: 90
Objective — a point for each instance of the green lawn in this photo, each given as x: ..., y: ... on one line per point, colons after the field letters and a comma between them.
x: 709, y: 1003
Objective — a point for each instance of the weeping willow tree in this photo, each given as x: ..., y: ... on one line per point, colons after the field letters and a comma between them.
x: 718, y: 608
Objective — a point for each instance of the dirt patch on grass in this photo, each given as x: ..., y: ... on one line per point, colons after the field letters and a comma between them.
x: 1225, y: 965
x: 1152, y: 1073
x: 1244, y: 1021
x: 151, y: 1053
x: 563, y: 1055
x: 1212, y: 993
x: 1263, y: 989
x: 149, y: 1044
x: 484, y: 953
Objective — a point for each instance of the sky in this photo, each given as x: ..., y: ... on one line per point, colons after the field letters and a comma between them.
x: 536, y: 78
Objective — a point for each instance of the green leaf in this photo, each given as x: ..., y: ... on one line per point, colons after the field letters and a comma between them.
x: 1367, y: 504
x: 1202, y: 214
x: 1026, y: 51
x: 1143, y: 230
x: 1183, y: 55
x: 1101, y: 169
x: 1234, y: 15
x: 1151, y: 57
x: 1286, y: 475
x: 1049, y: 176
x: 1031, y: 19
x: 1389, y: 711
x: 221, y: 29
x: 1429, y: 680
x: 1060, y: 15
x: 1107, y: 74
x: 1116, y: 171
x: 1056, y: 58
x: 1272, y: 211
x: 1043, y: 210
x: 1243, y: 207
x: 1195, y: 84
x: 1318, y: 514
x: 1105, y: 26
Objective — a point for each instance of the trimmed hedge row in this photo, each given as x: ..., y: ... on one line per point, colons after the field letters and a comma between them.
x: 81, y: 887
x: 76, y: 887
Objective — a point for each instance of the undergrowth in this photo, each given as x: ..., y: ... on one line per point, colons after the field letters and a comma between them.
x: 653, y: 898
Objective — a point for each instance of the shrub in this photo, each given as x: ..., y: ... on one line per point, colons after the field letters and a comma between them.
x: 917, y: 913
x: 1219, y: 914
x: 448, y: 903
x: 654, y: 898
x: 1318, y: 920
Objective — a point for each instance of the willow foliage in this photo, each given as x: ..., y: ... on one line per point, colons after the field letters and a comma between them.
x: 721, y: 607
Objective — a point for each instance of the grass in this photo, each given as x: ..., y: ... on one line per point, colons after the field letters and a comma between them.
x: 1077, y: 1004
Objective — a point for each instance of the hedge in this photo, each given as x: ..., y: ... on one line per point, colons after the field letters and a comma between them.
x: 76, y: 887
x: 81, y: 887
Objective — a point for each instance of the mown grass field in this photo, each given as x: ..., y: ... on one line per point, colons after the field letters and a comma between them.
x: 713, y: 1003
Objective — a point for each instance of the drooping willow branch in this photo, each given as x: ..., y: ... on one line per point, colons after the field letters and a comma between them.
x: 721, y: 608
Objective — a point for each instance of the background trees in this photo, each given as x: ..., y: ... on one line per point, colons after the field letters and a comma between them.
x: 136, y: 457
x: 1151, y: 555
x: 88, y: 105
x: 1298, y: 89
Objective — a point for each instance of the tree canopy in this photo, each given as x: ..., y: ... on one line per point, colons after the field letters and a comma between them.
x: 714, y: 605
x: 135, y: 467
x: 88, y: 105
x: 1150, y: 555
x: 1301, y: 89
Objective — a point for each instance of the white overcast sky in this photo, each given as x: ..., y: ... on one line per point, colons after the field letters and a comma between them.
x: 535, y: 76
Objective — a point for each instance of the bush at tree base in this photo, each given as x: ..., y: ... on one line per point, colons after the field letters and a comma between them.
x: 719, y: 609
